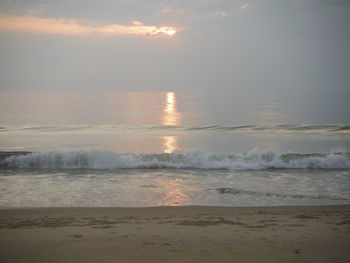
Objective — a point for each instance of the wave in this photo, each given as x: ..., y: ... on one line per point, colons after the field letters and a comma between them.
x: 234, y: 191
x: 339, y: 129
x: 253, y: 160
x: 302, y: 128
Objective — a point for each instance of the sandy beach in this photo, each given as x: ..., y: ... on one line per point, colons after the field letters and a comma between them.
x: 176, y: 234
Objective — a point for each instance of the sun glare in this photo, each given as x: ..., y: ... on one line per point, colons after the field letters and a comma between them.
x: 171, y: 32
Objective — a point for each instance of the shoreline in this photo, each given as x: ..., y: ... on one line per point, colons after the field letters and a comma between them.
x: 176, y: 234
x: 341, y: 206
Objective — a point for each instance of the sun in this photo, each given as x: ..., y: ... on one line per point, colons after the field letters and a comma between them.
x: 171, y: 32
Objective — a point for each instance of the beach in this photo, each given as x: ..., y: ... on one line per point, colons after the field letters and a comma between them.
x: 176, y: 234
x: 174, y: 131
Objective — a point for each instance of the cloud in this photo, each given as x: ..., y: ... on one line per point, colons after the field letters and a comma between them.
x: 245, y: 6
x: 63, y: 26
x: 219, y: 13
x: 36, y: 9
x: 172, y: 11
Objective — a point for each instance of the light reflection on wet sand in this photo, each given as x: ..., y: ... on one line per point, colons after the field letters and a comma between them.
x: 174, y: 196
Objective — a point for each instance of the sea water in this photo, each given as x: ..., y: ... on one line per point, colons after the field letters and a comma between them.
x: 143, y: 148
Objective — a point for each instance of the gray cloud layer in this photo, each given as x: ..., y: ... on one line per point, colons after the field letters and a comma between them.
x: 224, y: 45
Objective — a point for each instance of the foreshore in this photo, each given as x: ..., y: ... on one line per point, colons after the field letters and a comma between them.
x: 176, y: 234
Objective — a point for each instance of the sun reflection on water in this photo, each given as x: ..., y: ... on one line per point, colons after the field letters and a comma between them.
x: 170, y: 114
x: 169, y: 144
x: 171, y: 117
x: 175, y: 196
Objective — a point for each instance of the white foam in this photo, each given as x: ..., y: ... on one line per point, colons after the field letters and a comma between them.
x: 253, y: 160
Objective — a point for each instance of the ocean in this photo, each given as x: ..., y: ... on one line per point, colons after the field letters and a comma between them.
x: 151, y: 148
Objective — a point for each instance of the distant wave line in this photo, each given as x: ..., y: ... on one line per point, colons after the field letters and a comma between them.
x: 287, y: 128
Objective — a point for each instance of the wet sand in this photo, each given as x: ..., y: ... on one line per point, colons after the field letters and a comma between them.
x: 176, y: 234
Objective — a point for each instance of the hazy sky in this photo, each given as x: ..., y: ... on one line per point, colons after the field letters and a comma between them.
x: 218, y: 45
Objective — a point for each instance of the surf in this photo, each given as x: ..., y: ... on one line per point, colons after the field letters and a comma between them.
x: 256, y: 159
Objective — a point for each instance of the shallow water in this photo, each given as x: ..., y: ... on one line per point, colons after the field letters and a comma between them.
x: 172, y: 187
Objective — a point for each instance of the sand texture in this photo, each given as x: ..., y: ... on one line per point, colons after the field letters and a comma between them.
x: 176, y: 234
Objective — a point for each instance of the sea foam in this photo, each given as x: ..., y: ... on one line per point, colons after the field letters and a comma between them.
x: 253, y: 160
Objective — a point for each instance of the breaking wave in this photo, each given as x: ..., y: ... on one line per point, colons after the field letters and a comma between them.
x: 253, y: 160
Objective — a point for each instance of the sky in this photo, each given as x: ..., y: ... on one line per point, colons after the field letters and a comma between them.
x: 200, y: 45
